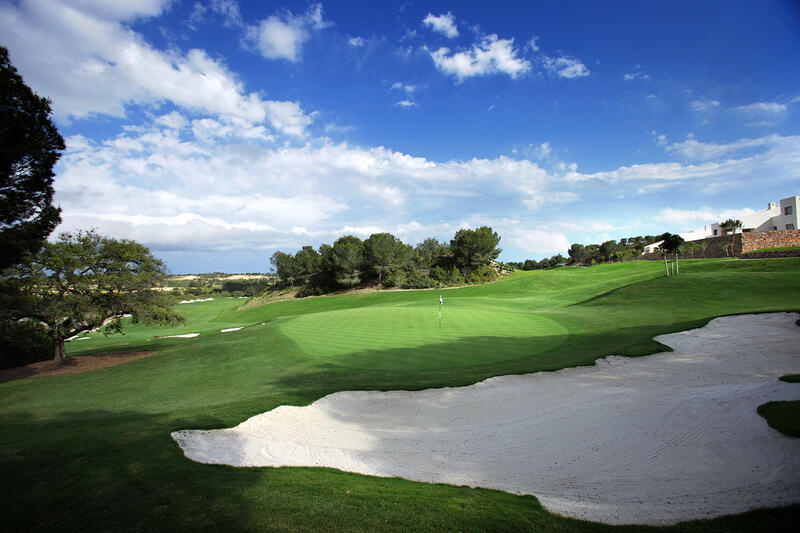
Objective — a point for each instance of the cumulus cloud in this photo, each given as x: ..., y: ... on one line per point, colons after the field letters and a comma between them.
x: 83, y: 58
x: 357, y: 41
x: 565, y: 67
x: 444, y: 24
x: 538, y: 241
x: 629, y: 76
x: 406, y: 103
x: 488, y: 56
x: 281, y: 36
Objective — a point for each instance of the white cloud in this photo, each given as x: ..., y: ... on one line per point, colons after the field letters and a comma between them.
x: 700, y: 106
x: 357, y: 41
x: 533, y: 44
x: 565, y: 67
x: 659, y: 138
x: 764, y: 108
x: 687, y: 217
x: 88, y: 63
x: 406, y: 103
x: 538, y: 241
x: 409, y: 89
x: 444, y: 24
x: 229, y: 11
x: 282, y: 36
x: 694, y: 150
x: 629, y: 76
x: 488, y: 56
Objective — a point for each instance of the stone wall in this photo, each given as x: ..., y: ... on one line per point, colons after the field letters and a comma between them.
x: 770, y: 239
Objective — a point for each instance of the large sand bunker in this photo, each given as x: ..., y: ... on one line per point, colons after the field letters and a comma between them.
x: 657, y: 439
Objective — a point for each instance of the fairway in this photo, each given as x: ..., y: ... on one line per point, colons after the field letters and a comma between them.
x: 105, y: 434
x: 412, y: 336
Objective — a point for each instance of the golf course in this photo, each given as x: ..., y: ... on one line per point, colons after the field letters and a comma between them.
x: 94, y: 451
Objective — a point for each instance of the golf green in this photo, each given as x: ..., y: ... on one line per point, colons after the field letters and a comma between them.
x: 412, y: 336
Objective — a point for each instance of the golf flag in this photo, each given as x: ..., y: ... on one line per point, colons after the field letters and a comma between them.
x: 440, y: 300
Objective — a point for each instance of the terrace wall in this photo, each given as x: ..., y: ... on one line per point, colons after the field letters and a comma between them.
x: 770, y: 239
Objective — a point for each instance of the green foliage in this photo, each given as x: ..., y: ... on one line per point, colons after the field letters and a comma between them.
x: 427, y: 252
x: 286, y: 267
x: 671, y: 244
x: 417, y: 279
x: 482, y: 274
x: 474, y: 248
x: 607, y: 249
x: 348, y: 260
x: 396, y: 279
x: 384, y: 253
x: 29, y: 147
x: 23, y: 342
x: 307, y: 261
x: 84, y: 281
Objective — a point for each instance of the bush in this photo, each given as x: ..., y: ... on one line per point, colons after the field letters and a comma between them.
x: 310, y: 290
x: 397, y: 279
x: 446, y: 277
x: 482, y: 274
x: 22, y: 343
x: 418, y: 280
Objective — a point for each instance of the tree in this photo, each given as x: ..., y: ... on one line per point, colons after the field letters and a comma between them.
x: 474, y: 248
x: 85, y: 281
x: 348, y: 259
x: 285, y: 266
x: 671, y: 245
x: 307, y: 261
x: 576, y: 253
x: 383, y: 252
x: 428, y: 251
x: 731, y: 225
x: 29, y: 147
x: 607, y: 249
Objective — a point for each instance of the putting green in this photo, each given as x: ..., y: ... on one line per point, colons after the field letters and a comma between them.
x: 411, y: 336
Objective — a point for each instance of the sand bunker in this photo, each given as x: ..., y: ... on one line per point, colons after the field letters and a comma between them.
x: 184, y: 336
x: 657, y: 439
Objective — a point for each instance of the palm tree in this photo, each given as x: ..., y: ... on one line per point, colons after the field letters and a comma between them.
x: 732, y: 225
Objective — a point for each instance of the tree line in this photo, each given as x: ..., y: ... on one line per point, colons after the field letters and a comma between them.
x: 384, y: 260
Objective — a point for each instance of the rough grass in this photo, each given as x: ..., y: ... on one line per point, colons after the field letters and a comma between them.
x: 92, y: 451
x: 774, y: 249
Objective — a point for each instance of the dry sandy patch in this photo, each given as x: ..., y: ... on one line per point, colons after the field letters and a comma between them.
x: 658, y: 439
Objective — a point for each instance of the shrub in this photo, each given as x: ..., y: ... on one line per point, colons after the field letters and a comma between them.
x: 397, y: 279
x: 22, y: 343
x: 482, y: 274
x: 418, y: 280
x: 310, y: 290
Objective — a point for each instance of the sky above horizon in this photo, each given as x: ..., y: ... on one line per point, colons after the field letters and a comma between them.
x: 218, y: 131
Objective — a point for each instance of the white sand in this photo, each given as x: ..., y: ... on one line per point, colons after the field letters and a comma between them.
x: 184, y: 336
x: 228, y: 330
x: 195, y: 301
x: 657, y: 439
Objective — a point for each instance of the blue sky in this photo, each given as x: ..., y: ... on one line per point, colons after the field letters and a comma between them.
x: 218, y: 131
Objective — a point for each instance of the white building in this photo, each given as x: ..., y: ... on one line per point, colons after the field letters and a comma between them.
x: 774, y: 217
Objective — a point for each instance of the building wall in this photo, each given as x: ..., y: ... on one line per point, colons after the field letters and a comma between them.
x: 773, y: 239
x: 786, y: 221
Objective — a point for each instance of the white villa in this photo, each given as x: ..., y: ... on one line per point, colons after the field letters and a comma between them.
x: 774, y: 217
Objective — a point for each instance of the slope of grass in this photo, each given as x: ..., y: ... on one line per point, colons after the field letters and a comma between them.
x: 93, y: 452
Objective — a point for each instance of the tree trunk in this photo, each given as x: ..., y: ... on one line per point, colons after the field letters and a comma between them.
x: 59, y: 352
x: 677, y: 266
x: 666, y: 267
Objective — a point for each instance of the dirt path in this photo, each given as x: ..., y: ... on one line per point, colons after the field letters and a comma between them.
x: 74, y: 364
x: 658, y: 439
